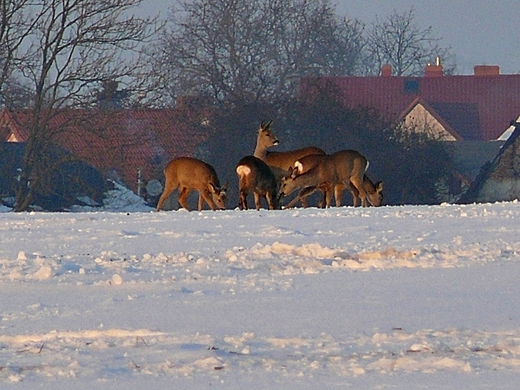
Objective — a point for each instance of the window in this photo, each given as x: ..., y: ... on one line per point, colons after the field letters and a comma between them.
x: 411, y: 86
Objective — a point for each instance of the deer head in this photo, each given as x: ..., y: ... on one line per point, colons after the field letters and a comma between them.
x: 265, y: 139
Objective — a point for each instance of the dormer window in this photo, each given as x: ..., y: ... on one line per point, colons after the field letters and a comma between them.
x: 411, y: 86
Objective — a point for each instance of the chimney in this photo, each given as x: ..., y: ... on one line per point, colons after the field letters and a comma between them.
x: 486, y: 70
x: 386, y: 70
x: 434, y: 70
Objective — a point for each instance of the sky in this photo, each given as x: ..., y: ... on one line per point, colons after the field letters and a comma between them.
x: 393, y: 297
x: 480, y: 33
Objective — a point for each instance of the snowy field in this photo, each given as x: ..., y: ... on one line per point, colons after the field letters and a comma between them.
x: 410, y: 297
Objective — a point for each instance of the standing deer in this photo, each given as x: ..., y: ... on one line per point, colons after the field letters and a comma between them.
x: 343, y: 169
x: 283, y: 160
x: 187, y: 174
x: 279, y: 162
x: 350, y: 168
x: 255, y: 176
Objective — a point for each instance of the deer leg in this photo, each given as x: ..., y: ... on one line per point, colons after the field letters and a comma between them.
x: 327, y: 193
x: 201, y: 202
x: 270, y: 201
x: 206, y: 195
x: 355, y: 198
x: 257, y: 200
x: 355, y: 194
x: 357, y: 183
x: 293, y: 202
x: 338, y: 191
x: 302, y: 196
x: 242, y: 204
x: 328, y: 198
x: 305, y: 193
x: 183, y: 195
x: 168, y: 189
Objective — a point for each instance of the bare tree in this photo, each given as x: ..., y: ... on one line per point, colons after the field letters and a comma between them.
x: 399, y: 41
x: 69, y: 49
x: 16, y: 25
x: 242, y: 50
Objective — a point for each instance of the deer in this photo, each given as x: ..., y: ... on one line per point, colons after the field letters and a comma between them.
x: 343, y: 169
x: 322, y: 176
x: 187, y: 174
x: 373, y: 191
x: 303, y: 165
x: 283, y: 160
x: 255, y: 176
x: 278, y: 162
x: 351, y: 167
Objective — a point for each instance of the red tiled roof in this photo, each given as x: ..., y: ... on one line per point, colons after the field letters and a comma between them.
x: 461, y: 116
x: 495, y: 98
x: 122, y: 140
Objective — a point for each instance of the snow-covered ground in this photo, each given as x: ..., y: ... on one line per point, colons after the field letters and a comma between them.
x: 410, y: 297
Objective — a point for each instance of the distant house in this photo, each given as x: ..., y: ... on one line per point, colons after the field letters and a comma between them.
x: 476, y: 107
x: 470, y: 112
x: 128, y: 144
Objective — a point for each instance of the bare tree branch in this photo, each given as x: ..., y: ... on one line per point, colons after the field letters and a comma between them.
x: 400, y: 42
x: 250, y: 51
x: 62, y: 52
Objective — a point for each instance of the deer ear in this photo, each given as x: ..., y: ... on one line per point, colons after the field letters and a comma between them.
x: 213, y: 188
x: 379, y: 186
x: 226, y: 186
x: 268, y: 124
x: 293, y: 172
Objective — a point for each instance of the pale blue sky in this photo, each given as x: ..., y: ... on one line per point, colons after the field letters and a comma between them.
x: 480, y: 32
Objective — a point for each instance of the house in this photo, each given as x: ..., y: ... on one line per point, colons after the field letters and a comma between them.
x: 499, y: 180
x: 472, y: 113
x: 132, y: 145
x: 478, y: 107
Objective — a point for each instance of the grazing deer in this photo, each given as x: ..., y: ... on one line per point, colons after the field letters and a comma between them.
x: 343, y: 169
x: 283, y: 160
x: 302, y: 165
x: 374, y: 192
x: 255, y: 176
x: 322, y: 176
x: 187, y: 174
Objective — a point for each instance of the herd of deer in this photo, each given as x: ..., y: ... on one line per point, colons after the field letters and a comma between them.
x: 273, y: 175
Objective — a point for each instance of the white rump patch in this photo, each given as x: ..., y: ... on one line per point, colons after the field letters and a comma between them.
x: 243, y: 170
x: 299, y: 166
